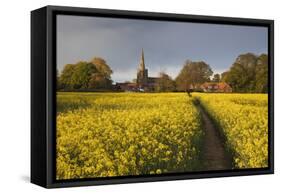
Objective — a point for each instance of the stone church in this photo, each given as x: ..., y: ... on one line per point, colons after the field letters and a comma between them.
x: 143, y: 81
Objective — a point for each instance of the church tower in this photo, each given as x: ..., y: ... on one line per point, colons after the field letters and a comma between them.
x: 142, y: 75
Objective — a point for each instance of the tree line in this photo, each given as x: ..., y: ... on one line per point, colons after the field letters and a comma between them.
x: 248, y: 73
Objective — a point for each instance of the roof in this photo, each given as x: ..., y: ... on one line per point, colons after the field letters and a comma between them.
x: 220, y: 85
x: 223, y: 85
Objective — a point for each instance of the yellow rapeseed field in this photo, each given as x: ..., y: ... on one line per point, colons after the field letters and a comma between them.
x: 117, y: 134
x: 243, y: 119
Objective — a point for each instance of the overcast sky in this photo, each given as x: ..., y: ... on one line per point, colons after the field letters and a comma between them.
x: 167, y: 45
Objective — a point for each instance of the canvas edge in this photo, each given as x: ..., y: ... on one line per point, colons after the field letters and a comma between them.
x: 50, y: 95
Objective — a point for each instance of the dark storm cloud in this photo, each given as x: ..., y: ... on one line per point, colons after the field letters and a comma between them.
x: 166, y: 44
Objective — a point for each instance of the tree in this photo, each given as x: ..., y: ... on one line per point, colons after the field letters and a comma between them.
x: 82, y: 75
x: 216, y: 78
x: 165, y: 83
x: 102, y: 67
x: 99, y: 81
x: 192, y: 74
x: 65, y: 78
x: 86, y: 75
x: 262, y: 74
x: 224, y: 76
x: 248, y: 73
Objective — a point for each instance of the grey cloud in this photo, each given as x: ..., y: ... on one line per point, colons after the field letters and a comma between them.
x: 166, y: 44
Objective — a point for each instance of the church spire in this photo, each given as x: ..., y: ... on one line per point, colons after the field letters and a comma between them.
x: 142, y: 75
x: 142, y: 65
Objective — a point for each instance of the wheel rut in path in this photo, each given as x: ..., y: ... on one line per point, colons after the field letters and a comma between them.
x: 214, y: 155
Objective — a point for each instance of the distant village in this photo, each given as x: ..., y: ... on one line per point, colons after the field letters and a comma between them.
x: 144, y: 83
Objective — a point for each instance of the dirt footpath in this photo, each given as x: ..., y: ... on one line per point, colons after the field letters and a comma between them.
x: 214, y: 155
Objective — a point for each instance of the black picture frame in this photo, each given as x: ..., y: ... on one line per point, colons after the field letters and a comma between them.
x: 43, y: 94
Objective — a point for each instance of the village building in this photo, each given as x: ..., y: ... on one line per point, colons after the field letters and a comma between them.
x: 220, y: 87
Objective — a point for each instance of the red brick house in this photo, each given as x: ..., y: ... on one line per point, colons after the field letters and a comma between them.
x: 216, y: 87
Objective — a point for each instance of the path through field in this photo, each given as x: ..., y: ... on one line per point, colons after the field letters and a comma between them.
x: 214, y: 155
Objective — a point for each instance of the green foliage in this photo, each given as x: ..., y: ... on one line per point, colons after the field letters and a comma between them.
x: 223, y: 76
x: 65, y: 79
x: 82, y: 75
x: 85, y: 75
x: 248, y: 73
x: 262, y: 74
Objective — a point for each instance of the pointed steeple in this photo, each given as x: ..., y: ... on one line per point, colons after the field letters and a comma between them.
x: 142, y: 75
x: 142, y: 65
